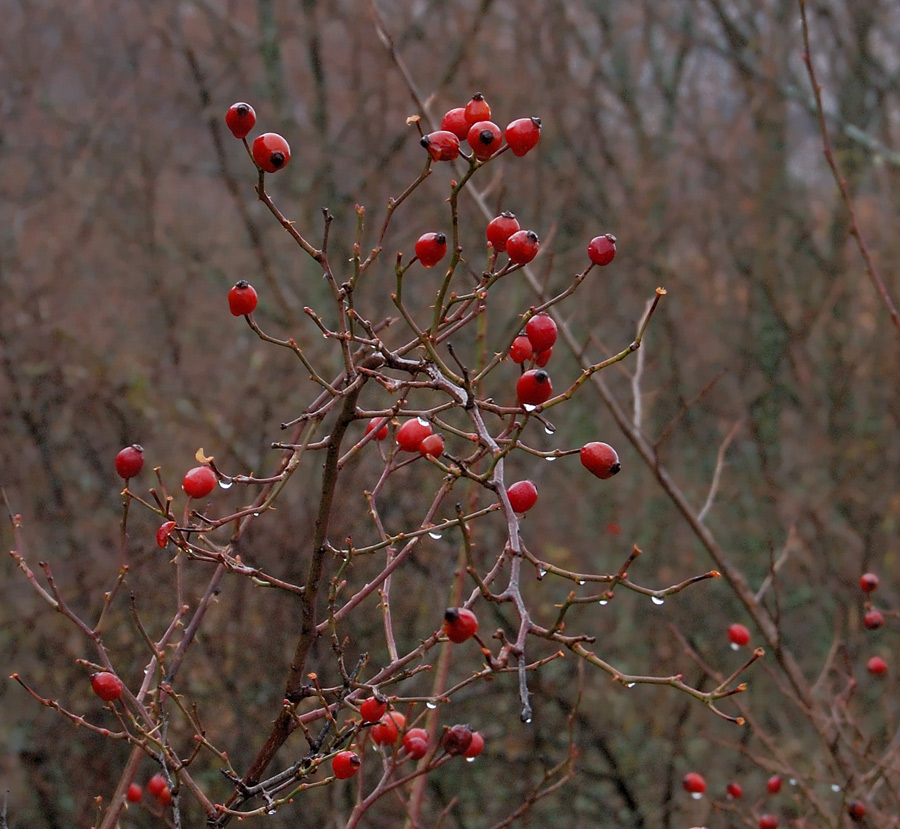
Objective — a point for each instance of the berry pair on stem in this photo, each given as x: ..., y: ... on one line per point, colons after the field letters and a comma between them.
x: 270, y: 151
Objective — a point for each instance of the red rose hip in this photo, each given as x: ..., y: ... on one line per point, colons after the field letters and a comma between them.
x: 534, y: 387
x: 485, y: 139
x: 442, y: 145
x: 459, y: 624
x: 130, y: 461
x: 500, y: 228
x: 541, y: 332
x: 520, y: 350
x: 600, y: 459
x: 602, y: 249
x: 411, y: 434
x: 523, y: 496
x: 271, y: 152
x: 522, y: 247
x: 431, y: 248
x: 345, y: 764
x: 738, y: 635
x: 107, y: 686
x: 868, y: 582
x: 240, y: 119
x: 455, y: 121
x: 523, y: 134
x: 199, y: 482
x: 242, y: 298
x: 694, y: 783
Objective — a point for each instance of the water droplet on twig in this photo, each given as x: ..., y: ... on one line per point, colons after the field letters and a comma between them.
x: 657, y: 600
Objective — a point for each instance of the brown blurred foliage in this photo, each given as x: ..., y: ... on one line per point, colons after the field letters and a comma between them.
x: 127, y: 210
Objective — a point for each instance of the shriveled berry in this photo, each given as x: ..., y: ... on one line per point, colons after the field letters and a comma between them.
x: 345, y: 764
x: 877, y: 666
x: 442, y: 145
x: 694, y: 783
x: 130, y: 461
x: 433, y: 446
x: 523, y: 495
x: 456, y: 739
x: 600, y: 459
x: 431, y: 248
x: 242, y: 298
x: 415, y: 742
x: 455, y: 121
x: 602, y: 249
x: 388, y: 729
x: 523, y: 134
x: 856, y: 809
x: 485, y: 139
x: 522, y: 246
x: 477, y: 109
x: 868, y: 582
x: 382, y: 432
x: 157, y: 784
x: 734, y: 790
x: 134, y: 793
x: 534, y: 387
x: 411, y: 434
x: 541, y: 332
x: 738, y: 634
x: 372, y: 709
x: 500, y: 228
x: 163, y: 533
x: 873, y: 619
x: 240, y: 119
x: 199, y: 482
x: 520, y: 350
x: 768, y: 822
x: 271, y: 152
x: 773, y: 784
x: 459, y: 624
x: 107, y: 686
x: 475, y: 747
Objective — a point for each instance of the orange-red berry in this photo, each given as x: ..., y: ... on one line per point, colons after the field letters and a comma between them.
x: 485, y: 139
x: 271, y: 152
x: 415, y: 742
x: 388, y: 729
x: 163, y: 533
x: 382, y: 432
x: 199, y: 482
x: 411, y: 434
x: 534, y: 387
x: 520, y: 350
x: 459, y: 624
x: 600, y: 459
x: 522, y: 246
x: 500, y: 228
x: 475, y: 747
x: 372, y: 709
x: 242, y: 298
x: 523, y: 134
x: 130, y: 461
x: 442, y: 145
x: 523, y: 495
x: 873, y: 619
x: 134, y: 793
x: 345, y: 764
x: 602, y: 249
x: 868, y: 582
x: 432, y: 446
x: 157, y: 784
x: 541, y: 332
x: 455, y: 121
x: 877, y: 666
x: 738, y: 634
x: 693, y: 783
x: 107, y: 686
x: 240, y: 119
x: 773, y: 784
x: 431, y: 248
x: 477, y: 109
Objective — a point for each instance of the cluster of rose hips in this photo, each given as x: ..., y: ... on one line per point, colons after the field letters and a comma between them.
x: 695, y: 784
x: 872, y: 619
x: 270, y: 151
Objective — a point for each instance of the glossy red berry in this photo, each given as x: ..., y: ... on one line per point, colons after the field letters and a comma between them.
x: 477, y: 109
x: 372, y: 709
x: 600, y: 459
x: 541, y: 332
x: 271, y: 152
x: 602, y: 249
x: 242, y: 298
x: 156, y: 785
x: 873, y: 619
x: 240, y: 119
x: 345, y: 764
x: 459, y: 624
x: 456, y: 740
x: 734, y: 790
x: 107, y: 686
x: 199, y: 482
x: 738, y: 634
x: 130, y: 461
x: 163, y: 533
x: 164, y: 798
x: 856, y: 809
x: 432, y: 446
x: 522, y: 246
x: 523, y: 134
x: 134, y: 793
x: 877, y: 666
x: 520, y: 350
x: 455, y: 121
x: 523, y: 496
x: 485, y: 139
x: 431, y: 248
x: 500, y: 228
x: 388, y: 729
x: 693, y: 783
x: 773, y: 784
x: 475, y: 747
x: 382, y: 432
x: 534, y: 387
x: 415, y: 742
x: 442, y: 145
x: 868, y: 582
x: 411, y: 434
x: 540, y: 360
x: 768, y: 822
